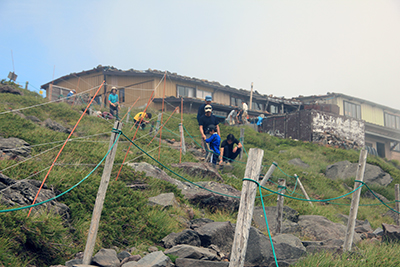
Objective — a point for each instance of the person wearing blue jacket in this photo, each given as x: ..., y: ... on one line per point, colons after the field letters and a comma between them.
x: 214, y: 140
x: 114, y: 102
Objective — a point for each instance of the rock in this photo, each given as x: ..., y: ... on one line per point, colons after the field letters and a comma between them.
x: 196, y: 152
x: 360, y: 227
x: 369, y: 194
x: 391, y: 233
x: 72, y: 263
x: 4, y: 88
x: 23, y: 193
x: 155, y: 259
x: 156, y: 172
x: 200, y: 170
x: 290, y: 219
x: 187, y: 251
x: 378, y: 232
x: 196, y: 223
x: 188, y: 237
x: 33, y: 118
x: 152, y: 249
x: 185, y: 262
x: 14, y: 147
x: 164, y: 200
x: 345, y: 169
x: 55, y: 126
x: 106, y: 258
x: 217, y: 233
x: 131, y: 258
x: 213, y: 201
x: 299, y: 162
x: 122, y: 255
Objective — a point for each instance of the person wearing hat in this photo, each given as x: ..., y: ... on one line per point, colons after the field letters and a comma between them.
x: 71, y: 93
x: 205, y: 121
x: 259, y: 122
x: 200, y: 112
x: 214, y: 140
x: 114, y: 102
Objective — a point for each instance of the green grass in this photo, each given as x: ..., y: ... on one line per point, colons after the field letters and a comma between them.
x: 127, y: 221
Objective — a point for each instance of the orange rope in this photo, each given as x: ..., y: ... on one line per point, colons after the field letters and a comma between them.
x: 51, y: 167
x: 162, y: 113
x: 134, y: 136
x: 164, y: 124
x: 130, y: 109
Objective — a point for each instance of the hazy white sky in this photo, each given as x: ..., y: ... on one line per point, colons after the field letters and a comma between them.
x: 287, y: 48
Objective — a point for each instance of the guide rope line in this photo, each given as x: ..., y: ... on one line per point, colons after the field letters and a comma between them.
x: 265, y: 216
x: 71, y: 188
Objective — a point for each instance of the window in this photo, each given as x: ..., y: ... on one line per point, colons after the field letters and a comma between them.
x: 273, y: 109
x: 257, y: 106
x: 236, y: 102
x: 202, y: 94
x: 352, y: 110
x: 184, y: 91
x: 392, y: 121
x: 395, y: 146
x: 121, y: 95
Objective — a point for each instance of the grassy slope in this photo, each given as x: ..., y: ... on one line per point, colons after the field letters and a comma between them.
x: 126, y: 219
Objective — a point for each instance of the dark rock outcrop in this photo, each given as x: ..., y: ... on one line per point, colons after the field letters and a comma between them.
x: 199, y: 169
x: 14, y: 147
x: 55, y: 126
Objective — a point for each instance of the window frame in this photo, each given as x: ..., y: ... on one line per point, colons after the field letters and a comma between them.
x: 353, y: 108
x: 396, y: 120
x: 186, y: 90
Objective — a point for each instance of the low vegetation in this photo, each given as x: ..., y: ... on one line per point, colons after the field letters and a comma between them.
x: 127, y: 220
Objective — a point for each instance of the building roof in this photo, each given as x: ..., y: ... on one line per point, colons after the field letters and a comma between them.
x: 314, y: 98
x: 110, y: 70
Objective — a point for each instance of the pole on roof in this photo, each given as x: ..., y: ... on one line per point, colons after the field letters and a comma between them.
x: 251, y: 97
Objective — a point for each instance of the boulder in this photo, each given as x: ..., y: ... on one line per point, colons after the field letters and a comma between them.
x: 188, y: 237
x: 199, y: 222
x: 106, y: 258
x: 14, y: 147
x: 345, y: 169
x: 131, y: 258
x: 290, y: 219
x: 155, y: 259
x: 193, y: 252
x: 200, y: 170
x: 360, y: 227
x: 4, y: 88
x: 33, y: 119
x: 205, y: 198
x: 185, y: 262
x: 368, y: 194
x: 220, y: 234
x: 23, y: 193
x: 164, y: 200
x: 391, y: 233
x: 55, y: 126
x: 299, y: 162
x: 152, y: 171
x: 123, y: 255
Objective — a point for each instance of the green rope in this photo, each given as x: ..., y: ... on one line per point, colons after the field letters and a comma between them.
x: 265, y: 216
x: 81, y: 181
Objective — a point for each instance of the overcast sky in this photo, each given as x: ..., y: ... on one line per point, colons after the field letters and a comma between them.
x: 286, y: 48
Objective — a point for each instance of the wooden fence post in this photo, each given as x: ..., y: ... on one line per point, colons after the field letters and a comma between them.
x: 268, y: 174
x: 245, y: 215
x: 101, y: 194
x: 303, y: 190
x: 397, y: 196
x: 279, y: 206
x: 355, y: 201
x: 241, y: 141
x: 158, y: 123
x: 183, y: 145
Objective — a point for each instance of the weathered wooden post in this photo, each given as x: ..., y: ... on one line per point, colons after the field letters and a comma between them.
x: 397, y: 196
x: 245, y: 215
x: 183, y: 146
x: 303, y: 190
x: 355, y: 201
x: 268, y: 174
x: 158, y: 123
x: 101, y: 194
x: 279, y: 206
x: 241, y: 141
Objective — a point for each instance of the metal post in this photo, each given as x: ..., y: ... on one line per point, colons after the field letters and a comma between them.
x: 101, y: 194
x: 279, y: 206
x: 355, y: 201
x: 245, y: 215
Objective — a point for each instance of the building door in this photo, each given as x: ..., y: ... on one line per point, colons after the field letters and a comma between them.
x: 380, y: 147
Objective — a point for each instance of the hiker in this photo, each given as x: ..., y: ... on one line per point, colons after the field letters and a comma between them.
x: 244, y: 115
x: 114, y: 102
x: 141, y: 116
x: 69, y: 96
x: 229, y: 151
x: 200, y: 112
x: 204, y: 122
x: 230, y: 119
x: 239, y: 116
x: 214, y: 140
x: 259, y: 122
